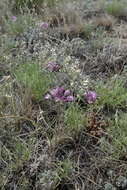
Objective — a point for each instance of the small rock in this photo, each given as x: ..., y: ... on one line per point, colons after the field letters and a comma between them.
x: 109, y: 186
x: 110, y: 173
x: 121, y: 182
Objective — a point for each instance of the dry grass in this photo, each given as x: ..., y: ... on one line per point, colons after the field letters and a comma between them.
x: 105, y: 21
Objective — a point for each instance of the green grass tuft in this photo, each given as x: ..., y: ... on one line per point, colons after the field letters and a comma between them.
x: 111, y: 94
x: 116, y: 8
x: 74, y: 120
x: 31, y: 76
x: 117, y: 132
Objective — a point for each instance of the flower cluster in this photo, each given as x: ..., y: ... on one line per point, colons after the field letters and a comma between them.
x: 44, y: 25
x: 90, y: 97
x: 59, y: 94
x: 52, y: 66
x: 14, y: 18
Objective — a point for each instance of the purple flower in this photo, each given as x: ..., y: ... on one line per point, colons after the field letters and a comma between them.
x: 44, y: 25
x: 59, y: 94
x: 67, y: 93
x: 54, y: 92
x: 48, y: 97
x: 90, y: 96
x: 52, y: 67
x: 70, y: 98
x: 61, y: 91
x: 13, y: 18
x: 58, y: 99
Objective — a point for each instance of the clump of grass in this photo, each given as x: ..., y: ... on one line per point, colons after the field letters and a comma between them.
x: 15, y: 152
x: 117, y: 131
x: 74, y: 120
x: 31, y: 76
x: 116, y: 8
x: 88, y: 30
x: 24, y: 183
x: 5, y: 95
x: 98, y: 40
x: 5, y: 8
x: 21, y: 153
x: 111, y: 94
x: 37, y: 4
x: 32, y: 3
x: 63, y: 171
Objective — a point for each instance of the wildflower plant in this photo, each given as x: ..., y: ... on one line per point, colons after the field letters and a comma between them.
x: 16, y: 25
x: 90, y: 96
x: 59, y: 94
x: 14, y: 18
x: 44, y: 25
x: 52, y: 66
x: 52, y: 113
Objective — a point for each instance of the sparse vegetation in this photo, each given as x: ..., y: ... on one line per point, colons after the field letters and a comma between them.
x: 63, y: 95
x: 116, y: 8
